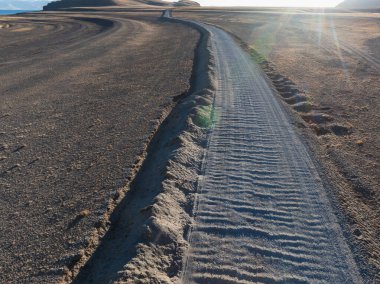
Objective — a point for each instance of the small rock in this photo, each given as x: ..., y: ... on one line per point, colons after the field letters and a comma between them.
x: 84, y: 213
x: 357, y: 233
x: 360, y: 143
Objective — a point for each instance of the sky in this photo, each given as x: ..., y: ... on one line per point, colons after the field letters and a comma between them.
x: 276, y: 3
x: 22, y: 4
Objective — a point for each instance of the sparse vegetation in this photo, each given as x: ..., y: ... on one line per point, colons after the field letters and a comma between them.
x: 204, y: 116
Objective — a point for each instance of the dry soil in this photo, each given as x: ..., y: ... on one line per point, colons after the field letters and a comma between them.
x: 81, y: 94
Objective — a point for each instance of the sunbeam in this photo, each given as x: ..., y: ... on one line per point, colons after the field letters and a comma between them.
x: 272, y: 3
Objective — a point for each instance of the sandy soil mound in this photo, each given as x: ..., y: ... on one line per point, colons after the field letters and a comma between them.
x: 146, y: 236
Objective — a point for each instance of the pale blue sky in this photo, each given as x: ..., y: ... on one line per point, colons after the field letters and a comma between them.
x: 22, y: 4
x: 276, y: 3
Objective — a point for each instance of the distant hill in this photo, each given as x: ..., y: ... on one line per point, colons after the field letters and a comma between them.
x: 96, y: 3
x: 186, y: 3
x: 359, y: 4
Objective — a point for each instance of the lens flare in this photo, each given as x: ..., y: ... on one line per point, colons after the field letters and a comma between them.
x: 272, y: 3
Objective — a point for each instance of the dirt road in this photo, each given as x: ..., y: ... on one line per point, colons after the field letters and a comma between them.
x: 333, y: 66
x: 262, y: 212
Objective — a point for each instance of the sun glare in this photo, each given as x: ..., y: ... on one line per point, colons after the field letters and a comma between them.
x: 272, y: 3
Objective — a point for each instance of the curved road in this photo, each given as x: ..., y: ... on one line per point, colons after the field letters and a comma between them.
x: 262, y: 213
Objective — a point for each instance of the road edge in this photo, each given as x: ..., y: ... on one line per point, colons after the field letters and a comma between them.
x: 177, y: 145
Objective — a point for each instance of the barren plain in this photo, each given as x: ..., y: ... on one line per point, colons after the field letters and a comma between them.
x: 81, y: 95
x: 98, y: 180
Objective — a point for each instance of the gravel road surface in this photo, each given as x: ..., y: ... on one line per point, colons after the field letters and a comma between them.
x: 262, y: 212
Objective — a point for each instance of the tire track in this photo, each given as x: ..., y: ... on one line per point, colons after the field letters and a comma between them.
x: 262, y: 213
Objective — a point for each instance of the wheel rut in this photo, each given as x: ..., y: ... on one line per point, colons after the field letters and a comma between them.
x: 262, y: 212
